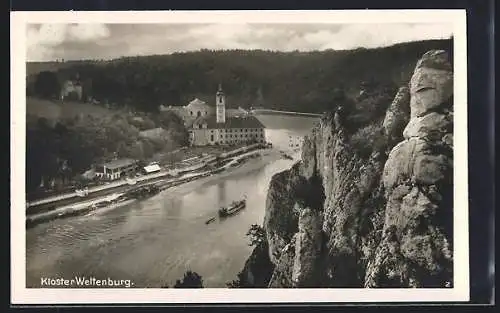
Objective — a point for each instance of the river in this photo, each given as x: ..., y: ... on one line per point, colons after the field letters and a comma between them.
x: 155, y: 241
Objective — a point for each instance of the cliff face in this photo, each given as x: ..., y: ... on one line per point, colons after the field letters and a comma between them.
x: 340, y: 218
x: 416, y: 248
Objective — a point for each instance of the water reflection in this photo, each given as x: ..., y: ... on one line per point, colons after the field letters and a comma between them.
x: 221, y: 191
x: 173, y: 206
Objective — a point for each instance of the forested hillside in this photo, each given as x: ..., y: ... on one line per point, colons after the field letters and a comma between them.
x: 61, y: 147
x: 298, y: 81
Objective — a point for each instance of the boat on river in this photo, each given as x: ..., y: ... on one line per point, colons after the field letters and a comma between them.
x: 286, y: 156
x: 143, y: 192
x: 111, y: 206
x: 210, y: 220
x: 232, y: 209
x: 131, y: 181
x: 82, y: 192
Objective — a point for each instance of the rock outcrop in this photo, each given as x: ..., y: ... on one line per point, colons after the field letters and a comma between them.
x: 397, y: 115
x: 338, y: 218
x: 416, y: 250
x: 308, y: 249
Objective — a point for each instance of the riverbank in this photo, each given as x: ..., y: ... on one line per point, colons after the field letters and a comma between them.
x: 240, y: 163
x: 206, y: 163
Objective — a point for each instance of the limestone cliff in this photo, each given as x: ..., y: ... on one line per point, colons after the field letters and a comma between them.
x: 342, y: 218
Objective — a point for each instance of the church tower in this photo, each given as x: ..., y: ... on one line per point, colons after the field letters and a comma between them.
x: 220, y: 103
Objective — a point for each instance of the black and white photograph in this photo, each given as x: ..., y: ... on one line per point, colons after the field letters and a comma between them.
x: 267, y: 152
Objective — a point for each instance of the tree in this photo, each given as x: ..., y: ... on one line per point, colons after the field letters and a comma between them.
x: 47, y: 85
x: 236, y: 283
x: 190, y: 280
x: 166, y: 118
x: 256, y: 234
x: 147, y: 148
x: 87, y: 89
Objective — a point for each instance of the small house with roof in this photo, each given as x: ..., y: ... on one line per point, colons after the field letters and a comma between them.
x: 116, y: 168
x: 72, y: 89
x: 225, y: 129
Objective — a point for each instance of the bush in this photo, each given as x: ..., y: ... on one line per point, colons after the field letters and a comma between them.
x: 256, y: 234
x: 190, y: 280
x: 236, y: 283
x: 368, y: 139
x: 369, y: 106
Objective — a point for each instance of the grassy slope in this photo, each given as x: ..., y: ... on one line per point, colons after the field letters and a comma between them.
x: 55, y: 110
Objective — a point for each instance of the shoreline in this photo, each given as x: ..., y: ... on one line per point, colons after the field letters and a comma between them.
x: 86, y: 207
x: 51, y: 203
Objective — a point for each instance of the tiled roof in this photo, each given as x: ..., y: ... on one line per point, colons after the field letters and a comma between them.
x: 231, y: 122
x: 119, y: 163
x: 197, y: 102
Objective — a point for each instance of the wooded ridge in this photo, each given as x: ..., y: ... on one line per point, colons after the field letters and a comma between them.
x: 294, y: 81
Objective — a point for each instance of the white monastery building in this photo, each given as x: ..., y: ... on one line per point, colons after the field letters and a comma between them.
x: 221, y: 128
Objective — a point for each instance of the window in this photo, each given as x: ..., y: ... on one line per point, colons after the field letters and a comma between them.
x: 212, y: 137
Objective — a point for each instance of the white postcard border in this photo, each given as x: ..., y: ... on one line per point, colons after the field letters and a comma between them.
x: 22, y: 295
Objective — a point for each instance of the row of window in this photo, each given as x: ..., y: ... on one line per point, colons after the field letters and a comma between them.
x: 247, y: 136
x: 241, y: 130
x: 246, y: 130
x: 229, y: 142
x: 243, y: 135
x: 199, y: 113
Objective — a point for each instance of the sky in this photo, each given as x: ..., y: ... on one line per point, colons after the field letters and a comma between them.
x: 47, y: 42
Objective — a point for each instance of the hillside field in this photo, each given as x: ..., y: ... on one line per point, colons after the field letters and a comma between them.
x: 56, y: 110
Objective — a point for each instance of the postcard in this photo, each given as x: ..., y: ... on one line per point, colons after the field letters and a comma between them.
x: 239, y: 157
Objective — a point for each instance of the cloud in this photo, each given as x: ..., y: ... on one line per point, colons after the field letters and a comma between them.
x: 83, y: 41
x: 372, y: 36
x: 43, y: 40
